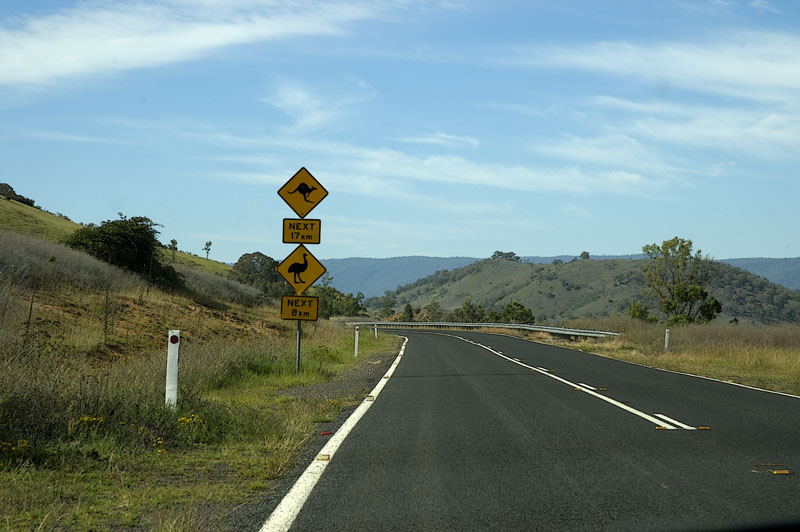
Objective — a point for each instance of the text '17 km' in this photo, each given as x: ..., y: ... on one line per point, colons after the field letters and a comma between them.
x: 301, y: 231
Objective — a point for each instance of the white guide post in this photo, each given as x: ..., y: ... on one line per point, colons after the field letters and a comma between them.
x: 376, y: 332
x: 356, y: 351
x: 666, y: 340
x: 173, y: 346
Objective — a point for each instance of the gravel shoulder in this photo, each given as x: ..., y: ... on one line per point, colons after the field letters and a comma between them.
x: 354, y: 383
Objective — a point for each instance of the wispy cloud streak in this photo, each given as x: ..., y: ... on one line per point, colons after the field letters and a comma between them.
x: 97, y: 37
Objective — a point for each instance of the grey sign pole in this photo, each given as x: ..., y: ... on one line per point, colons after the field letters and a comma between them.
x: 299, y: 330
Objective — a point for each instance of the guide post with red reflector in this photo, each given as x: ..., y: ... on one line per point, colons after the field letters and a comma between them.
x: 173, y: 346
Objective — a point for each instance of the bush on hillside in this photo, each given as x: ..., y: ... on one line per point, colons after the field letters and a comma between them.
x: 129, y: 243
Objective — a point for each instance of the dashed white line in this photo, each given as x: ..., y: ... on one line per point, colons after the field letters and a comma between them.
x: 654, y: 420
x: 675, y: 422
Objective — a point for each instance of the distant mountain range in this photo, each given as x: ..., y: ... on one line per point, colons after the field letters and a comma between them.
x: 581, y: 288
x: 373, y: 277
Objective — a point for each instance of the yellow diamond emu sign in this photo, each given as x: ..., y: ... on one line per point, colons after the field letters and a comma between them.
x: 302, y: 192
x: 300, y: 269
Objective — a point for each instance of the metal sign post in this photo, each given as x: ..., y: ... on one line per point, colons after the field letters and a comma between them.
x: 301, y: 269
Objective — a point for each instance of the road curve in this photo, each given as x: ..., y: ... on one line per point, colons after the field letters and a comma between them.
x: 488, y: 432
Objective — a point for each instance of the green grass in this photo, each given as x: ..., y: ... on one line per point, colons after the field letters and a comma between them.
x: 198, y: 263
x: 250, y: 434
x: 27, y: 220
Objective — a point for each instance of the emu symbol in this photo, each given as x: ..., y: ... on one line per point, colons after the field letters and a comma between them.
x: 305, y: 190
x: 297, y: 268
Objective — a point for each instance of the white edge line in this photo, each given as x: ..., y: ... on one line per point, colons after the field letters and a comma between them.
x: 675, y: 422
x: 648, y: 417
x: 285, y: 513
x: 587, y: 386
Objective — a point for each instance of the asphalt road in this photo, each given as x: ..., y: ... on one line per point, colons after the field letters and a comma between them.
x: 462, y: 438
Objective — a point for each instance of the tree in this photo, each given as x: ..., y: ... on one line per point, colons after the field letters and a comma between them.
x: 676, y: 279
x: 510, y: 255
x: 173, y: 246
x: 8, y: 192
x: 207, y: 248
x: 516, y: 312
x: 557, y: 262
x: 129, y: 243
x: 431, y: 312
x: 408, y: 313
x: 332, y: 302
x: 387, y: 304
x: 469, y: 313
x: 258, y: 270
x: 584, y: 255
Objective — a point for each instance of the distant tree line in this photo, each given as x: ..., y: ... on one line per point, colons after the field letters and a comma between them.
x: 468, y: 312
x: 7, y: 191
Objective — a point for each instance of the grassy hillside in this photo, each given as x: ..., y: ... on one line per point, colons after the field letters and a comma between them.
x: 28, y: 220
x: 86, y: 442
x: 31, y: 221
x: 585, y: 288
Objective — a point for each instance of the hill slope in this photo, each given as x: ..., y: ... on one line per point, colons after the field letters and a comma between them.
x: 373, y: 277
x: 21, y: 218
x: 785, y: 272
x: 586, y: 288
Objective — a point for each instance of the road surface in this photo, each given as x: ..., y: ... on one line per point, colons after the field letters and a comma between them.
x: 488, y: 432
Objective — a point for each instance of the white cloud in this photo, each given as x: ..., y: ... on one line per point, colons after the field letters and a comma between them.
x: 748, y: 65
x: 610, y: 150
x: 759, y: 134
x: 311, y: 109
x: 764, y: 5
x: 382, y: 171
x: 762, y: 132
x: 61, y: 136
x: 107, y: 36
x: 441, y: 139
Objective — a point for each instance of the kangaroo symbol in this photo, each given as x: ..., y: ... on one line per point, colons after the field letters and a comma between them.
x: 297, y: 268
x: 305, y: 190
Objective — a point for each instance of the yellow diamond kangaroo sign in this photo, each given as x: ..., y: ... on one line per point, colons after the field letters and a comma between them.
x: 300, y: 269
x: 302, y: 192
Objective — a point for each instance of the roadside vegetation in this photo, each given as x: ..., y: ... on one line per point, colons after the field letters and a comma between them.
x: 86, y: 442
x: 764, y: 356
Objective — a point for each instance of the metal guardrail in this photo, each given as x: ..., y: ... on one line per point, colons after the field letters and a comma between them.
x: 558, y: 331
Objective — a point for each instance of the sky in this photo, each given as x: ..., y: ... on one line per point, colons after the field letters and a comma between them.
x: 438, y: 127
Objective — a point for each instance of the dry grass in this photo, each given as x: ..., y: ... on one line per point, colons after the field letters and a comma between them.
x: 765, y: 356
x: 85, y: 440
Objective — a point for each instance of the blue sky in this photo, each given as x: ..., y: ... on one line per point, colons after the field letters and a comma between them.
x: 439, y: 128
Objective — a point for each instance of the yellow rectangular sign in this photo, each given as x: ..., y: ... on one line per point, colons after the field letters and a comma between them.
x: 300, y: 308
x: 301, y: 231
